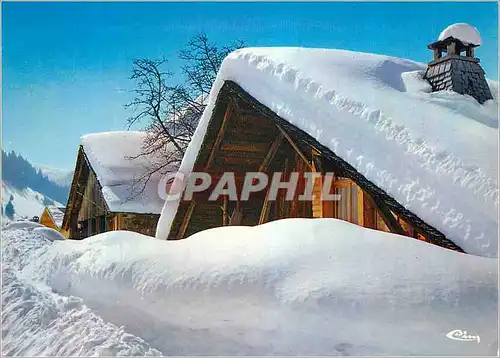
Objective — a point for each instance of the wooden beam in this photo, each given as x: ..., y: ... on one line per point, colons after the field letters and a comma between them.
x: 349, y: 202
x: 220, y: 135
x: 360, y: 206
x: 185, y: 221
x: 294, y: 146
x: 224, y: 211
x: 283, y: 210
x: 271, y: 152
x: 317, y: 166
x: 388, y: 218
x: 244, y: 147
x: 264, y: 213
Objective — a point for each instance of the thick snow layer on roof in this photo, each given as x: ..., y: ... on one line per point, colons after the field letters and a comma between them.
x: 466, y: 33
x: 435, y: 153
x: 117, y: 161
x: 274, y: 289
x: 57, y: 214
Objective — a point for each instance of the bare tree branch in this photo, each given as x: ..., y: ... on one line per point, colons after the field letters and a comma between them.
x: 171, y: 112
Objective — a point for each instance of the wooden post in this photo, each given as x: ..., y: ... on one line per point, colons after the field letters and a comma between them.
x: 271, y: 152
x: 360, y: 206
x: 282, y: 197
x: 265, y: 208
x: 185, y: 221
x: 469, y: 51
x: 451, y: 49
x: 220, y: 135
x: 224, y: 211
x: 349, y: 202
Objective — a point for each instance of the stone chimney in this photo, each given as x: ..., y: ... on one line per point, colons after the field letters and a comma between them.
x: 454, y: 66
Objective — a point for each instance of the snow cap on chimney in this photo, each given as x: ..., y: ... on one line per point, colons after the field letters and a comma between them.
x: 458, y: 70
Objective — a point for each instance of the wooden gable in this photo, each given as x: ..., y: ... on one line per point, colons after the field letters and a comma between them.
x: 245, y: 136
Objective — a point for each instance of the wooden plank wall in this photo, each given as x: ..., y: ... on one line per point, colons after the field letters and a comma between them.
x: 240, y: 140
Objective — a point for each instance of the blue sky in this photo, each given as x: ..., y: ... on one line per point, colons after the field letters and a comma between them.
x: 66, y: 65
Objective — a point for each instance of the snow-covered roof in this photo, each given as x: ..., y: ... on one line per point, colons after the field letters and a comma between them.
x: 466, y: 33
x: 435, y: 153
x: 57, y: 214
x: 116, y: 160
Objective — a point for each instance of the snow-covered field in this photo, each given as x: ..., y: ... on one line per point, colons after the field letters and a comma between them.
x: 295, y: 286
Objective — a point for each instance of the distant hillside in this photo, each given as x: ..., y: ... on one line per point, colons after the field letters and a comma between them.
x: 59, y: 176
x: 24, y: 203
x: 30, y: 188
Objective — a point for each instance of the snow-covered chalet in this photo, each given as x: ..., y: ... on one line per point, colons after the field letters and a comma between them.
x: 413, y: 146
x: 108, y: 191
x: 52, y: 216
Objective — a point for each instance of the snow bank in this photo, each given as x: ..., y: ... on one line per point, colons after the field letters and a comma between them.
x: 22, y: 224
x: 48, y: 233
x: 117, y: 161
x: 290, y: 287
x: 435, y: 153
x: 37, y: 322
x: 466, y: 33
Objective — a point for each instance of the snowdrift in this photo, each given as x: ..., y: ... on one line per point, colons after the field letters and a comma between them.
x: 435, y: 153
x: 36, y: 321
x: 296, y: 286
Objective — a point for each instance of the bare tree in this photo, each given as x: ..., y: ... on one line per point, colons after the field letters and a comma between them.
x: 171, y: 112
x: 202, y: 62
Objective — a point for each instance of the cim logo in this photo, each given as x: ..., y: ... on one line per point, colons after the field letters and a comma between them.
x: 459, y: 335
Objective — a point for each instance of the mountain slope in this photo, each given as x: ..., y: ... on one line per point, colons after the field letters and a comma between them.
x: 61, y: 177
x: 28, y: 189
x: 26, y: 202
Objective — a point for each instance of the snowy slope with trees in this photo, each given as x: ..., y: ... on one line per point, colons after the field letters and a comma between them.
x: 27, y: 189
x: 24, y: 203
x: 435, y: 153
x: 270, y: 289
x: 61, y: 177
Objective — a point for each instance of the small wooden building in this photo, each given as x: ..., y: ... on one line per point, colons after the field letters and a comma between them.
x: 52, y: 217
x: 244, y: 136
x: 106, y: 193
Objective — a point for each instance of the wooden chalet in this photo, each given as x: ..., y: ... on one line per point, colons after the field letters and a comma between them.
x: 243, y: 136
x: 101, y: 195
x: 52, y: 217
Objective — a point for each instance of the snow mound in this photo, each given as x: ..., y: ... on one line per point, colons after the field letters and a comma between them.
x: 414, y: 82
x: 22, y: 224
x: 289, y: 287
x: 37, y: 322
x: 434, y: 153
x: 120, y: 166
x: 466, y: 33
x: 48, y: 233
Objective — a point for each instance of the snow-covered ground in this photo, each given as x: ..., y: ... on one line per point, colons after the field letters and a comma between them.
x: 27, y: 203
x: 435, y: 153
x: 295, y: 286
